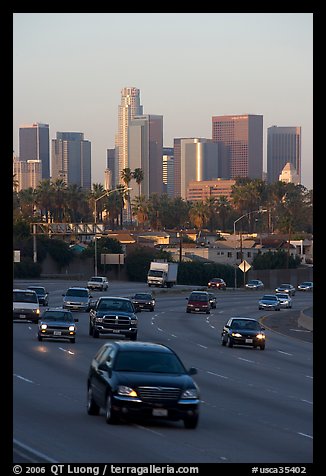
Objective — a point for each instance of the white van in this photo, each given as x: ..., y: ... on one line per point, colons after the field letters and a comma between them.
x: 26, y: 306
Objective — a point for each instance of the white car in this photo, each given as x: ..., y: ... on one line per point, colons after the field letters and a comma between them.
x: 285, y: 300
x: 100, y: 283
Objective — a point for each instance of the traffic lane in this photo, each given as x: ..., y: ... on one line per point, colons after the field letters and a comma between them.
x: 209, y: 423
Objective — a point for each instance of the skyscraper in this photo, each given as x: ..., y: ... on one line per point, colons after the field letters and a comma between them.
x: 283, y: 146
x: 240, y: 140
x: 146, y: 151
x: 34, y: 145
x: 168, y: 171
x: 129, y: 108
x: 71, y: 159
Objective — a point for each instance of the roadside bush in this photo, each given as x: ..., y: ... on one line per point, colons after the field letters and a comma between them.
x: 27, y: 269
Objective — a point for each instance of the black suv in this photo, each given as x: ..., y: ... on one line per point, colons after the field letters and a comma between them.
x: 144, y: 380
x: 143, y: 301
x: 113, y: 315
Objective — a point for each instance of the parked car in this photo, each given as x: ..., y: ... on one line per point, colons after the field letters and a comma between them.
x: 255, y: 284
x: 243, y: 331
x: 113, y: 315
x: 306, y: 286
x: 57, y: 323
x: 42, y: 294
x: 141, y: 379
x: 286, y: 288
x: 217, y: 283
x: 212, y: 300
x: 143, y: 301
x: 77, y: 299
x: 285, y: 300
x: 269, y: 302
x: 198, y: 301
x: 99, y: 283
x: 26, y: 306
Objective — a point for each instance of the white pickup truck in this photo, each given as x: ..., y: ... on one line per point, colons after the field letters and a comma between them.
x: 100, y: 283
x: 26, y: 306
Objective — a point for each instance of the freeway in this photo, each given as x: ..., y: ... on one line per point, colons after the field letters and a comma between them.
x: 257, y: 406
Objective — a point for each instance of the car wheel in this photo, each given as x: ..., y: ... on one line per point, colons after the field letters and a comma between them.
x: 262, y: 347
x: 191, y: 422
x: 133, y: 337
x: 187, y: 310
x: 96, y: 333
x: 39, y: 338
x: 223, y: 342
x: 110, y: 415
x: 152, y: 309
x: 72, y: 340
x: 229, y: 342
x: 208, y: 312
x: 92, y: 407
x: 90, y: 329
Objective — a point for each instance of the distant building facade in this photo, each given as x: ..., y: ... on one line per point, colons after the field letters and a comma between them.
x: 168, y: 171
x: 27, y: 173
x: 289, y: 174
x: 240, y: 141
x: 145, y: 152
x: 283, y: 146
x: 71, y: 159
x: 34, y: 144
x: 204, y: 189
x: 110, y: 171
x: 129, y: 108
x: 194, y: 159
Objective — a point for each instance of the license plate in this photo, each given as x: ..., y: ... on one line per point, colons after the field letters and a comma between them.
x: 196, y: 308
x: 22, y: 316
x: 57, y: 333
x: 160, y: 412
x: 116, y: 331
x: 249, y: 341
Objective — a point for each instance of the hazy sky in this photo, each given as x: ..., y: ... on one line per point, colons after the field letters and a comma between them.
x: 69, y: 70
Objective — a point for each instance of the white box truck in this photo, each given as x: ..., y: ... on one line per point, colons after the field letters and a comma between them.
x: 162, y: 274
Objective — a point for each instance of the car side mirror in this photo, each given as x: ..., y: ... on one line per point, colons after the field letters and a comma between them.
x: 262, y: 328
x: 227, y: 326
x: 192, y: 371
x: 76, y: 319
x: 187, y: 298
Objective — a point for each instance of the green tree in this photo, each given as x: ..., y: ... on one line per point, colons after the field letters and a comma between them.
x: 138, y: 175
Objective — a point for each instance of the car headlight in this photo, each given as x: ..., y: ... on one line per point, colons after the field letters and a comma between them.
x: 127, y: 391
x: 236, y: 334
x: 71, y: 328
x: 44, y: 326
x: 37, y: 311
x: 260, y: 336
x: 190, y: 393
x: 99, y: 319
x: 133, y: 321
x: 153, y: 302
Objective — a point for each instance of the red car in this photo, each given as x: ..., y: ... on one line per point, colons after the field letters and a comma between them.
x: 217, y: 283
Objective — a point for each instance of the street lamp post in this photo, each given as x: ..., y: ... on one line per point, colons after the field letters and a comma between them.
x: 107, y: 193
x: 261, y: 210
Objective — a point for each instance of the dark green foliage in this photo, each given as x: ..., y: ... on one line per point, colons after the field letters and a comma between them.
x: 200, y: 273
x: 27, y: 269
x: 275, y: 260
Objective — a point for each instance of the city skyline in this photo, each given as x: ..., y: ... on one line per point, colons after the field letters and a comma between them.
x: 69, y: 70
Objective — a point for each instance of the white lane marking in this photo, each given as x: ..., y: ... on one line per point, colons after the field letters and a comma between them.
x: 33, y: 451
x: 304, y: 434
x: 220, y: 312
x: 173, y: 335
x: 299, y: 330
x: 217, y: 375
x: 246, y: 360
x: 23, y: 378
x: 68, y: 351
x: 148, y: 429
x: 306, y: 401
x: 309, y: 376
x: 159, y: 329
x: 285, y: 353
x: 203, y: 346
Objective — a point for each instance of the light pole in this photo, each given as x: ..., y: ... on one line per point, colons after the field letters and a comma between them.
x: 261, y: 210
x: 107, y: 193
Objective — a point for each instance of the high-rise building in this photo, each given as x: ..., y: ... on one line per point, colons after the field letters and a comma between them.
x: 146, y: 151
x: 168, y: 171
x: 27, y: 173
x: 34, y: 145
x: 289, y: 174
x: 71, y: 159
x: 204, y: 189
x: 129, y: 108
x: 283, y: 146
x: 240, y: 141
x: 194, y: 159
x: 110, y: 168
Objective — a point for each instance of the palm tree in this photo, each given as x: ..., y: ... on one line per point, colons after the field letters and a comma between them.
x: 44, y: 199
x: 126, y: 176
x: 140, y: 209
x: 138, y: 175
x: 198, y: 214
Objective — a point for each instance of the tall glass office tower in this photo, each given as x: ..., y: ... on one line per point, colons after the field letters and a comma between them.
x: 34, y: 145
x: 283, y: 146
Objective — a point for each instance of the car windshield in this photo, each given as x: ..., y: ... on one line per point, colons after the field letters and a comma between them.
x: 57, y: 316
x: 306, y: 283
x: 269, y: 297
x: 253, y: 282
x: 115, y: 305
x: 282, y: 296
x: 245, y: 324
x: 198, y: 297
x: 25, y: 296
x: 39, y: 291
x: 157, y: 362
x: 142, y: 296
x: 96, y: 280
x: 77, y: 292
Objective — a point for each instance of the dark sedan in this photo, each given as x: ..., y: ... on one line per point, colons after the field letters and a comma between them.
x: 57, y: 324
x: 243, y: 331
x: 286, y: 288
x: 143, y: 380
x: 143, y: 301
x: 42, y: 294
